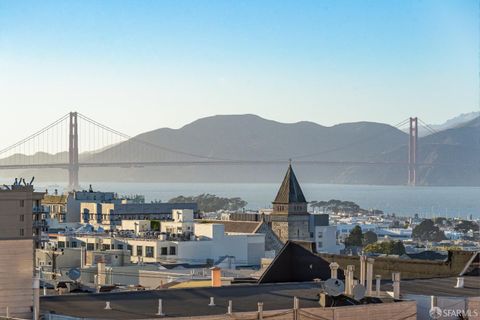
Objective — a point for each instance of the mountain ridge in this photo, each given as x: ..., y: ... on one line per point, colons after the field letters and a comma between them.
x: 454, y: 152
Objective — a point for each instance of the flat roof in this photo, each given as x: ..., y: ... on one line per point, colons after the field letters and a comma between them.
x: 182, y: 302
x: 441, y: 287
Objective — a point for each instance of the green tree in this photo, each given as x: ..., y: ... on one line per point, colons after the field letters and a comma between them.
x: 369, y: 237
x: 211, y: 203
x: 465, y: 226
x: 428, y: 231
x: 155, y: 225
x: 135, y: 198
x: 354, y: 239
x: 386, y: 247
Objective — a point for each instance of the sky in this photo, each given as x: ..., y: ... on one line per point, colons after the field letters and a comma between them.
x: 141, y: 65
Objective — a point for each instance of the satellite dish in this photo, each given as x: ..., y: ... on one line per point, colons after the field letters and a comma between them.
x: 359, y: 292
x: 74, y: 274
x: 334, y: 287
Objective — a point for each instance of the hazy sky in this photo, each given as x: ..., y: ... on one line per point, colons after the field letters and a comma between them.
x: 139, y: 65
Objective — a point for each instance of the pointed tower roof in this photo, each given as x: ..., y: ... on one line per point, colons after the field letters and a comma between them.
x: 290, y: 191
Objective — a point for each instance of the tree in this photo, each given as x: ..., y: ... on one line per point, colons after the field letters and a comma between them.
x: 211, y: 203
x: 354, y: 239
x: 428, y: 231
x: 155, y: 225
x: 336, y: 205
x: 369, y: 237
x: 386, y: 247
x: 465, y: 226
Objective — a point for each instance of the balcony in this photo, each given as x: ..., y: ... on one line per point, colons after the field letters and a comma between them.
x: 40, y: 209
x: 39, y: 223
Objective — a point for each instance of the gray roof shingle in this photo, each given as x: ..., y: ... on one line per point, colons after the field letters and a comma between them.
x: 290, y: 190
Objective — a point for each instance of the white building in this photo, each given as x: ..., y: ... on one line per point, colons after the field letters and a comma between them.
x: 136, y: 226
x: 326, y: 240
x: 75, y: 199
x: 182, y: 223
x: 209, y: 244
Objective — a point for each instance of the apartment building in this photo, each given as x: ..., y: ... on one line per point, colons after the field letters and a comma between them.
x: 208, y: 243
x: 21, y: 226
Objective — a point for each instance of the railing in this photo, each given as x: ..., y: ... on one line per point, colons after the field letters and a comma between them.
x: 40, y: 209
x: 39, y: 223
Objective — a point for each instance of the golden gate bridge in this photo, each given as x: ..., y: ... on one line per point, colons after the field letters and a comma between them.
x: 75, y: 141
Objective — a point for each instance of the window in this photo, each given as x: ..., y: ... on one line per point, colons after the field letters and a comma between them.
x: 105, y: 247
x: 120, y: 246
x: 22, y: 232
x: 320, y: 235
x: 164, y: 251
x: 139, y: 251
x: 90, y: 246
x: 130, y: 248
x: 61, y: 244
x: 149, y: 252
x: 22, y: 203
x: 22, y: 217
x: 320, y: 244
x: 173, y: 251
x: 74, y: 244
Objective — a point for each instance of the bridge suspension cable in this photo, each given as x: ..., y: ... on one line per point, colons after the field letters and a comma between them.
x: 149, y: 144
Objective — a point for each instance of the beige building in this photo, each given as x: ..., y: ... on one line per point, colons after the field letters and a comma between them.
x: 21, y: 224
x: 57, y: 206
x: 98, y: 214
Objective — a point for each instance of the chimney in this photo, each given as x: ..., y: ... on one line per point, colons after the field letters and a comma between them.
x: 333, y: 270
x: 101, y: 274
x: 363, y: 261
x: 378, y: 279
x: 216, y: 274
x: 433, y: 302
x: 370, y: 262
x: 349, y: 279
x: 460, y: 282
x: 396, y: 285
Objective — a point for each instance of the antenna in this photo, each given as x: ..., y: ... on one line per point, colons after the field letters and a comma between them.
x: 359, y: 292
x: 334, y: 287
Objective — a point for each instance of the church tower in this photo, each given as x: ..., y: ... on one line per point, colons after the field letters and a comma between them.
x: 290, y: 218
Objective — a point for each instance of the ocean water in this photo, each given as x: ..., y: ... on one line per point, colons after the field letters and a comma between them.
x: 402, y: 200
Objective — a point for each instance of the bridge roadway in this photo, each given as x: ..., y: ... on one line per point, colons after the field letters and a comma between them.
x: 217, y: 163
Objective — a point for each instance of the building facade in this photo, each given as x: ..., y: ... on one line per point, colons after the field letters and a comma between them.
x: 21, y: 226
x: 208, y: 244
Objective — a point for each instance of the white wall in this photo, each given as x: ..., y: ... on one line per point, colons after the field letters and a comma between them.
x: 325, y: 238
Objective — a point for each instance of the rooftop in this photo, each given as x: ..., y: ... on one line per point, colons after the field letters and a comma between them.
x: 290, y: 190
x: 236, y: 226
x: 144, y: 304
x: 443, y: 287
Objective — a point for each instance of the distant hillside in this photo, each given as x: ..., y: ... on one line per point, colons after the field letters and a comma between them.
x: 450, y: 123
x: 249, y: 137
x: 455, y: 151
